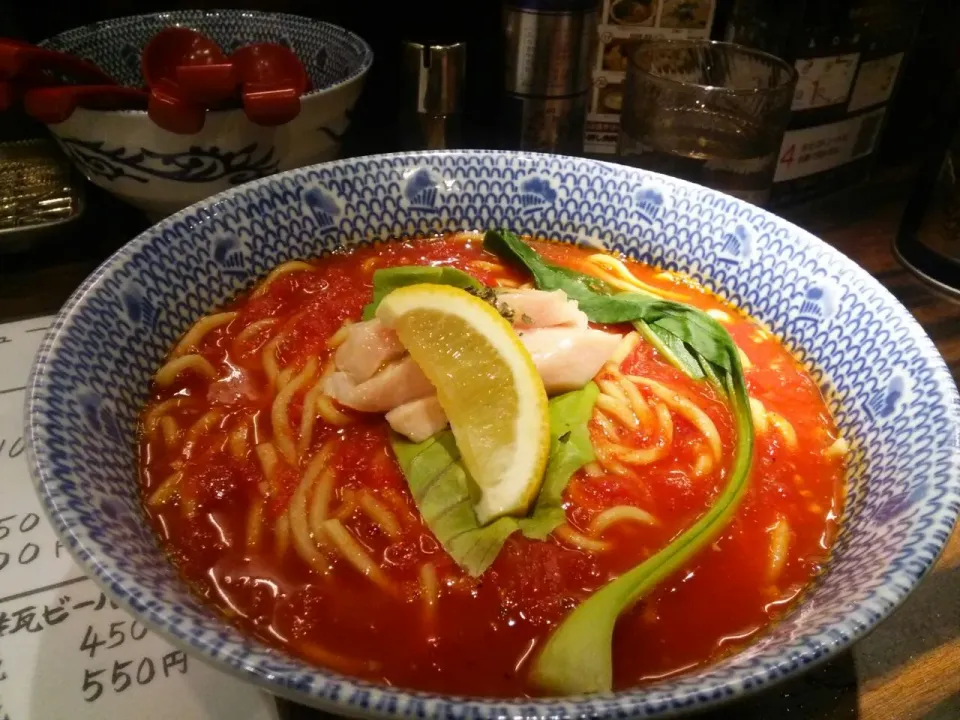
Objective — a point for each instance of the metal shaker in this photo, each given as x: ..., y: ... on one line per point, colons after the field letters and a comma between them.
x: 550, y: 48
x: 433, y: 77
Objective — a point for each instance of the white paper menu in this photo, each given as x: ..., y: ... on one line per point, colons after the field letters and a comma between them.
x: 65, y: 650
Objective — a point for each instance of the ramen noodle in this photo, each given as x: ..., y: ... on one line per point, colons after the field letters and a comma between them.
x: 288, y: 512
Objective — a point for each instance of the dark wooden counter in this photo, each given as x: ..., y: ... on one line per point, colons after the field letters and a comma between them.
x: 907, y: 669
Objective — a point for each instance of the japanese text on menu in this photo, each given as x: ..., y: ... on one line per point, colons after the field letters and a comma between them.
x: 65, y: 649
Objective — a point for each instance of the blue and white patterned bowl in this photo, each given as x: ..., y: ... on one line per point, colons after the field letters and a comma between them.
x: 884, y: 381
x: 125, y: 153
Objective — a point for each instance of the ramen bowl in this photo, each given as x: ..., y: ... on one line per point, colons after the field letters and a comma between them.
x: 882, y: 378
x: 127, y: 154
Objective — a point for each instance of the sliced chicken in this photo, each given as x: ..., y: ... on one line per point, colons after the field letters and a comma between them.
x: 568, y: 358
x: 368, y: 347
x: 539, y: 308
x: 394, y: 385
x: 375, y: 375
x: 419, y: 419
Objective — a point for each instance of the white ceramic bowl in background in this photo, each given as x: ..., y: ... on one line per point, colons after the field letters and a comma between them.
x: 160, y: 172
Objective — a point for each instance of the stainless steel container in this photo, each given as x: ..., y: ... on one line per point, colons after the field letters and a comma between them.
x: 549, y: 51
x: 433, y: 77
x: 39, y: 192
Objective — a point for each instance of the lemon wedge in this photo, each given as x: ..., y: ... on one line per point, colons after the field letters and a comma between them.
x: 487, y: 385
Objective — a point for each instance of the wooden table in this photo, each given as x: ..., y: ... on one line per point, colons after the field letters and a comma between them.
x: 907, y: 669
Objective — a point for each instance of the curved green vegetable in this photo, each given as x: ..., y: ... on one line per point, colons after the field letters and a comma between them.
x: 441, y: 486
x: 577, y: 656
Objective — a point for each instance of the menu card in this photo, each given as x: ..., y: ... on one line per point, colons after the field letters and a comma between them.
x: 623, y: 24
x: 66, y: 651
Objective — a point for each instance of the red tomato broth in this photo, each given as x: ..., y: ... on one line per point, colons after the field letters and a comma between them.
x: 485, y: 630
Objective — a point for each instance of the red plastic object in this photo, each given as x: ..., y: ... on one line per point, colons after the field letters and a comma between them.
x: 53, y: 105
x: 207, y: 84
x: 19, y: 59
x: 168, y: 109
x: 192, y: 62
x: 273, y: 80
x: 12, y: 91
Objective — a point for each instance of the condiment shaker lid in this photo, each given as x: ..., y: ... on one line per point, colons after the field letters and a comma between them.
x: 434, y: 75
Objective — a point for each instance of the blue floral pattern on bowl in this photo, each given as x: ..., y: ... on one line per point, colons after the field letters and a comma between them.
x: 197, y: 164
x: 883, y: 379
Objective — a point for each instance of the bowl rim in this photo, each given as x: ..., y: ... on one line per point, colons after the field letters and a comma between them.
x: 356, y: 75
x: 713, y: 691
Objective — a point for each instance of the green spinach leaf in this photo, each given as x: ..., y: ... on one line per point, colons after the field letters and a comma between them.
x: 672, y: 348
x: 577, y: 656
x: 443, y: 490
x: 699, y: 332
x: 386, y: 280
x: 570, y: 450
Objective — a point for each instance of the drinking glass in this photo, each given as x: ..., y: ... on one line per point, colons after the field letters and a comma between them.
x: 710, y: 112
